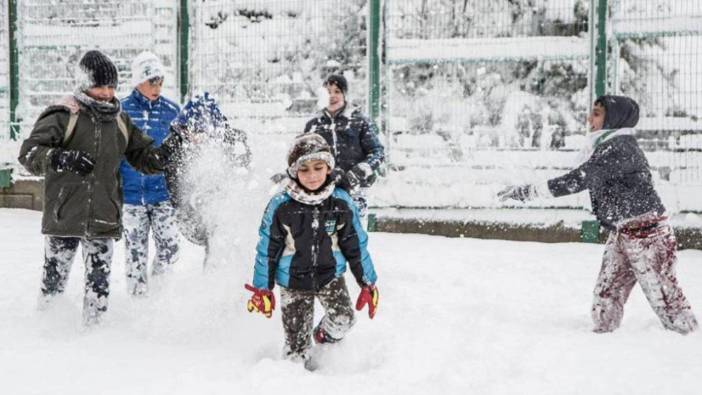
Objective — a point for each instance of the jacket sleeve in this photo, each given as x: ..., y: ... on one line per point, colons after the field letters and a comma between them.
x: 372, y: 148
x: 47, y: 134
x: 309, y: 125
x: 270, y: 246
x: 353, y: 243
x: 141, y: 152
x: 605, y: 163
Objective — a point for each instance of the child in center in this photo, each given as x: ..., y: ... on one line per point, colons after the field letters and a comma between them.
x: 308, y: 234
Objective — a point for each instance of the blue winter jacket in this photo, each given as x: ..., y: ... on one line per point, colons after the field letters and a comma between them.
x: 305, y: 246
x: 154, y: 119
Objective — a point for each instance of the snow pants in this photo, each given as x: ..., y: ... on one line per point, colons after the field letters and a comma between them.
x: 641, y: 250
x: 358, y: 196
x: 139, y: 220
x: 298, y: 316
x: 97, y: 257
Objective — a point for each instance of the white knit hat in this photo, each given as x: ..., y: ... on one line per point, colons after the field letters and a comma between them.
x: 146, y: 66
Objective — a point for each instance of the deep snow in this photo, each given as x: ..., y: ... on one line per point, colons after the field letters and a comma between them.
x: 456, y: 316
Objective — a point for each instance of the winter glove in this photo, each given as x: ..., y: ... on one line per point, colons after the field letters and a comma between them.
x: 369, y: 295
x: 279, y: 177
x: 74, y: 161
x: 518, y: 192
x: 262, y: 301
x: 353, y: 178
x: 170, y: 146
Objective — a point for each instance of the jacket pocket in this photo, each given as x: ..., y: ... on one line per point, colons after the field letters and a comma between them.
x: 118, y: 208
x: 65, y: 194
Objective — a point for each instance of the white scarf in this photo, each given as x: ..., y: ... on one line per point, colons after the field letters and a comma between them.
x: 312, y: 198
x: 594, y: 139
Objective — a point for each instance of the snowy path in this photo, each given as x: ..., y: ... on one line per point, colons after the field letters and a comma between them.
x: 456, y: 316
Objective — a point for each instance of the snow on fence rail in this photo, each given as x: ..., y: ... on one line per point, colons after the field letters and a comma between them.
x: 485, y: 49
x: 679, y: 25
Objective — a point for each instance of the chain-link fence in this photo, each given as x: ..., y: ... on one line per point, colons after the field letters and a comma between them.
x: 52, y: 38
x: 483, y: 93
x: 266, y: 60
x: 476, y: 93
x: 656, y: 57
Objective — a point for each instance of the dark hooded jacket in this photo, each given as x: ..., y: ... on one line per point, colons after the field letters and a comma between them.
x: 86, y: 206
x: 617, y: 173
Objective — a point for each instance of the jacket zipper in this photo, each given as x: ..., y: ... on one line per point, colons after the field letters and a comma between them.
x: 91, y: 176
x: 315, y: 245
x: 332, y: 130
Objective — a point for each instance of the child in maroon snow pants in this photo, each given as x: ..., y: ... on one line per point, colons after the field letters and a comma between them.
x: 641, y: 245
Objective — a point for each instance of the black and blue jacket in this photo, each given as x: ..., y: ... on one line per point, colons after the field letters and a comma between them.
x: 305, y: 246
x: 352, y: 137
x: 152, y: 118
x: 617, y: 173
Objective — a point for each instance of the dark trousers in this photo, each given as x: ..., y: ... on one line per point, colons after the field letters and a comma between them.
x: 97, y: 257
x: 298, y: 315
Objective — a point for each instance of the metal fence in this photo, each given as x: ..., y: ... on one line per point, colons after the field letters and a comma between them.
x: 265, y: 60
x: 656, y: 57
x: 496, y: 92
x: 474, y: 93
x: 51, y: 38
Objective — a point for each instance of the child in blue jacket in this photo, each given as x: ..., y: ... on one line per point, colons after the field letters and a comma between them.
x: 308, y: 234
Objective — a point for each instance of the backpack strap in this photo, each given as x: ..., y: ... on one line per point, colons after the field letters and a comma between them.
x: 71, y: 104
x: 123, y: 127
x: 71, y: 127
x: 73, y: 121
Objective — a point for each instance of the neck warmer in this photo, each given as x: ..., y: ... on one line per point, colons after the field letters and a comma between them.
x: 104, y: 108
x: 594, y: 139
x: 302, y: 195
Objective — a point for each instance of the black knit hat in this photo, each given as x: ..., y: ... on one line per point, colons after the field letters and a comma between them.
x: 98, y: 69
x: 338, y: 80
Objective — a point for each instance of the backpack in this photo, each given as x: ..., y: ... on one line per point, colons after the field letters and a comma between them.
x: 73, y: 120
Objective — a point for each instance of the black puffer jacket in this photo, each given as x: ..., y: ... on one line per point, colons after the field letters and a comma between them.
x: 352, y: 137
x: 304, y: 246
x: 617, y: 174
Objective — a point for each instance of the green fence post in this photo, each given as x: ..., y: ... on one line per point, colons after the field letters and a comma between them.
x: 590, y: 232
x: 373, y: 52
x: 5, y: 178
x: 372, y: 222
x: 184, y: 49
x: 601, y: 50
x: 14, y: 69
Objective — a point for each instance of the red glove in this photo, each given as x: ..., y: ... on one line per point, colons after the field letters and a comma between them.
x: 369, y: 295
x: 262, y: 301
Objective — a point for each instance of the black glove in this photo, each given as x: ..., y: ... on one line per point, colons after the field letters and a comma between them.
x: 356, y: 175
x: 74, y: 161
x: 517, y: 192
x: 170, y: 146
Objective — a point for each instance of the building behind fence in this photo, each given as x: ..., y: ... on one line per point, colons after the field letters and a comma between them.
x: 473, y: 94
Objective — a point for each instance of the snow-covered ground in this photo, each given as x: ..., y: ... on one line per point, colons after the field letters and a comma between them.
x: 456, y: 316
